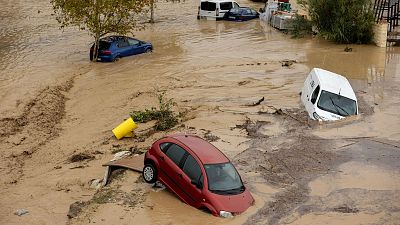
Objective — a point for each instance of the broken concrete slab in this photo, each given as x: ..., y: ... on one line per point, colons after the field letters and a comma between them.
x: 134, y: 163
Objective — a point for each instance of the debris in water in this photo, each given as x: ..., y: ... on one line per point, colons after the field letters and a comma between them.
x: 120, y: 155
x: 346, y: 209
x: 347, y: 49
x: 75, y: 209
x: 80, y: 157
x: 257, y: 102
x: 241, y: 83
x: 211, y: 137
x: 158, y: 186
x: 252, y: 128
x: 21, y: 212
x: 287, y: 62
x: 96, y: 183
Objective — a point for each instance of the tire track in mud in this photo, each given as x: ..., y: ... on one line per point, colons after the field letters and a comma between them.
x: 23, y: 135
x: 288, y: 161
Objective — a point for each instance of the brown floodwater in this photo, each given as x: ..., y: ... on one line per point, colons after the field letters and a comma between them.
x: 206, y: 64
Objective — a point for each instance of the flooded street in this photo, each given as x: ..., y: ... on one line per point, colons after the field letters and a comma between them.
x: 55, y: 103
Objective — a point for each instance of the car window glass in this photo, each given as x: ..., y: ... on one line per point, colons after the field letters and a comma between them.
x: 133, y: 42
x: 164, y: 146
x: 201, y: 180
x: 122, y: 43
x: 204, y: 6
x: 234, y: 11
x: 192, y: 168
x: 314, y: 96
x: 212, y: 6
x: 103, y: 45
x: 337, y: 104
x: 222, y: 177
x: 208, y: 6
x: 175, y: 153
x: 225, y: 5
x: 253, y: 12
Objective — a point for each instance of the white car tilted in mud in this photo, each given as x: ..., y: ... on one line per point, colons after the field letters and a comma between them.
x: 328, y: 96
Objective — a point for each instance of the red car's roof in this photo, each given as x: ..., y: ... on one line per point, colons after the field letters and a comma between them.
x: 207, y: 153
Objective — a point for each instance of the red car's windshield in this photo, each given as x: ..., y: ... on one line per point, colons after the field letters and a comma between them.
x: 223, y: 179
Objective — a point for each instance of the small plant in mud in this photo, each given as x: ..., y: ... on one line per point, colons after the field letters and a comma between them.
x: 165, y: 117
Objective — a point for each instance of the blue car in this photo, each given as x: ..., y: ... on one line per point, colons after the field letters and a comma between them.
x: 241, y: 14
x: 112, y: 48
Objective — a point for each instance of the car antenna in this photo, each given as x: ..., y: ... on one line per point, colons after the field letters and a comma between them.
x: 340, y: 90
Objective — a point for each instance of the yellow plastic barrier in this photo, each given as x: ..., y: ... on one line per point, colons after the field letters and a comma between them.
x: 125, y: 129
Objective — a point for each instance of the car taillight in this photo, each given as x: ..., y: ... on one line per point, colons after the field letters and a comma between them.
x: 106, y: 52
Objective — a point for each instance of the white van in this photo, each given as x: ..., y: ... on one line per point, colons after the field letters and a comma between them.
x: 328, y: 96
x: 215, y: 9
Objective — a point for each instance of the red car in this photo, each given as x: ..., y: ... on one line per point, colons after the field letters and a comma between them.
x: 198, y: 173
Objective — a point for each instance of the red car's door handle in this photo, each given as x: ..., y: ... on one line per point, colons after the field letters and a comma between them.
x: 180, y: 175
x: 162, y: 158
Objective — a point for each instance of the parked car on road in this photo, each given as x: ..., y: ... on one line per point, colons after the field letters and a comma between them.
x: 328, y: 96
x: 198, y: 173
x: 112, y: 48
x: 241, y: 14
x: 215, y: 9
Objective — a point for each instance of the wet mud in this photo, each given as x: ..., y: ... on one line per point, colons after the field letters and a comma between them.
x: 238, y: 86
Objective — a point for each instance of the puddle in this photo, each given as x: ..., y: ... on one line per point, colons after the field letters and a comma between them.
x: 356, y: 175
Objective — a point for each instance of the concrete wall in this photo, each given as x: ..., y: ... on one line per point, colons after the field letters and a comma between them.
x: 380, y: 34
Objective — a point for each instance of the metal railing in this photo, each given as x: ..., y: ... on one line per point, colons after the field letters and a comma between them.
x: 388, y: 10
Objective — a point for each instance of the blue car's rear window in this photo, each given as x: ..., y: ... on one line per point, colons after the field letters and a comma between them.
x: 103, y: 45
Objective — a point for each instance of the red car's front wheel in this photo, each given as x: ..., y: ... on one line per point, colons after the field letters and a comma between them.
x: 149, y: 174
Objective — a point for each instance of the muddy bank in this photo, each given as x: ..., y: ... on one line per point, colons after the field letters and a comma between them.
x: 24, y: 134
x: 288, y: 161
x: 55, y: 139
x: 296, y: 157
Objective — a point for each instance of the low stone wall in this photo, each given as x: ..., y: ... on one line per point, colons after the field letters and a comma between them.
x: 380, y: 34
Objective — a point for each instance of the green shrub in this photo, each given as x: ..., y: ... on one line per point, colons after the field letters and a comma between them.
x: 164, y: 116
x: 343, y: 21
x: 301, y: 27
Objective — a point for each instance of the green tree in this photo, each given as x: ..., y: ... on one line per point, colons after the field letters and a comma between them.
x: 99, y: 17
x: 343, y: 21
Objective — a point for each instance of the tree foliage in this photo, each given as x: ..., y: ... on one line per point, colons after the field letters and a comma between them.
x: 343, y: 21
x: 99, y: 17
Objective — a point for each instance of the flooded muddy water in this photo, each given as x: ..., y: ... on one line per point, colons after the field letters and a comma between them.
x: 55, y: 103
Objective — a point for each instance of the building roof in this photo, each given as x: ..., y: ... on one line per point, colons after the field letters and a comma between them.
x: 205, y: 151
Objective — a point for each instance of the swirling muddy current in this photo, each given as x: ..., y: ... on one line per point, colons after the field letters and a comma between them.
x: 54, y: 104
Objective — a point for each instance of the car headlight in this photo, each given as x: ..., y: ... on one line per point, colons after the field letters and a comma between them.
x: 225, y: 214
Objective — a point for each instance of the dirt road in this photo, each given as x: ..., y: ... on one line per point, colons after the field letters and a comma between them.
x: 54, y: 105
